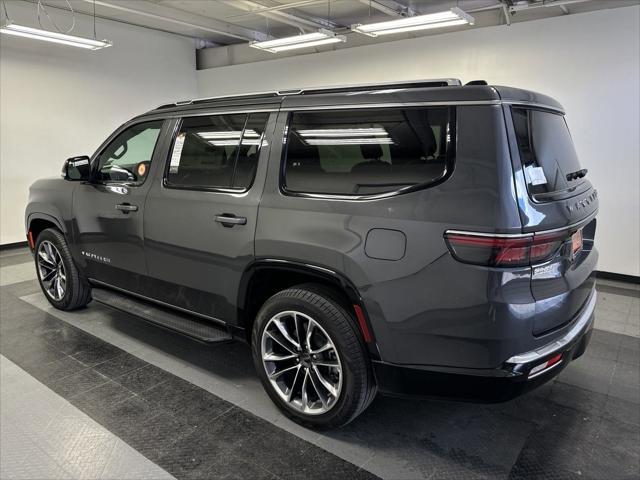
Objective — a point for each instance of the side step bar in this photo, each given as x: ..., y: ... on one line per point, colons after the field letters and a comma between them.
x: 163, y: 317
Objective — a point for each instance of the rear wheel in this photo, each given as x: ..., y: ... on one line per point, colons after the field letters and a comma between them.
x: 310, y: 358
x: 59, y: 278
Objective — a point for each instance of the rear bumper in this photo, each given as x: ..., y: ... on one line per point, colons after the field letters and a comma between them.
x: 489, y: 385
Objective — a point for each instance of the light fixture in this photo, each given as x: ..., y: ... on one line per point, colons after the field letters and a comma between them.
x: 55, y: 37
x: 321, y: 37
x: 349, y: 141
x: 448, y: 18
x: 226, y: 134
x: 344, y: 132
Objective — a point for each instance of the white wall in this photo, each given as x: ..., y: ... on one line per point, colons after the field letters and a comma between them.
x: 58, y: 101
x: 589, y: 62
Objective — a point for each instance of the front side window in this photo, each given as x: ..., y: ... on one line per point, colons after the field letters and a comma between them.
x: 128, y: 157
x: 364, y: 152
x: 217, y: 151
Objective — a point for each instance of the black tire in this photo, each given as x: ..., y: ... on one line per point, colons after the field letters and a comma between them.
x: 326, y: 309
x: 77, y: 290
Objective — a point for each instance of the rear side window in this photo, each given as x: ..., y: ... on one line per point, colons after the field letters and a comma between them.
x: 546, y: 151
x: 217, y: 151
x: 364, y: 152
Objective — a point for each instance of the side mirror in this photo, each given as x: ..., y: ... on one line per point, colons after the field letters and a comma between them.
x: 77, y: 169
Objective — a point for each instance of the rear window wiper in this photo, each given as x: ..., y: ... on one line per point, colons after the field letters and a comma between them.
x: 577, y: 174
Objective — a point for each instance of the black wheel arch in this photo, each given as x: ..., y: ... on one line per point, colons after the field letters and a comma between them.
x: 266, y: 276
x: 37, y: 222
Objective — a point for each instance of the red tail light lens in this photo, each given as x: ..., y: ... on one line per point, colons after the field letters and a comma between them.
x: 504, y: 251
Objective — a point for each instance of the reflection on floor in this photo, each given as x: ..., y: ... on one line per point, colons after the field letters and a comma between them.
x: 197, y: 411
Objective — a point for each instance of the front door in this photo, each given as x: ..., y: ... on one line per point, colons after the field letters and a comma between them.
x: 108, y: 211
x: 200, y: 218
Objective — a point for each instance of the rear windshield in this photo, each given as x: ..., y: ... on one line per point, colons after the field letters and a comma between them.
x: 546, y: 151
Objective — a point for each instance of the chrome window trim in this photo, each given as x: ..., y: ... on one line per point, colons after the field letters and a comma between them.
x: 375, y: 196
x: 524, y: 103
x: 578, y: 327
x: 159, y: 302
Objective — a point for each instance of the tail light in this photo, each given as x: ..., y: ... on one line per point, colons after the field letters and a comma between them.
x: 507, y: 250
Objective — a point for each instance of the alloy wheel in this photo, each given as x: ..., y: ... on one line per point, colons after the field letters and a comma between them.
x: 301, y: 362
x: 51, y: 270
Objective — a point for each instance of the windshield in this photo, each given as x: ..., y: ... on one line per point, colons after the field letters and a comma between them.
x: 546, y: 151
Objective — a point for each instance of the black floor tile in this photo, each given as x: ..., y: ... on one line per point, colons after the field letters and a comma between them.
x: 143, y: 378
x: 120, y: 365
x: 77, y: 383
x: 99, y: 401
x: 186, y: 401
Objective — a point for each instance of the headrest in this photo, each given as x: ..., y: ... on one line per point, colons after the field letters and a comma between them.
x: 371, y: 151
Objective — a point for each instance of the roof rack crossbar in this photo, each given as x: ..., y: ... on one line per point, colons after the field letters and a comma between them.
x: 438, y: 82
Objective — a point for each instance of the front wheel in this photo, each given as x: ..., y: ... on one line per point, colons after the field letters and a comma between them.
x: 311, y: 359
x: 59, y: 278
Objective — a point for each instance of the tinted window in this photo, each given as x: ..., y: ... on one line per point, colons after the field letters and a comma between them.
x: 366, y: 151
x: 128, y: 156
x: 546, y: 150
x: 218, y: 151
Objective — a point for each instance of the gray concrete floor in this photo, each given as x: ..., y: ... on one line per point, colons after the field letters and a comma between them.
x: 595, y: 396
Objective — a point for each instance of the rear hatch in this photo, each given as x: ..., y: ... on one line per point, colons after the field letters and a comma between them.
x: 558, y: 205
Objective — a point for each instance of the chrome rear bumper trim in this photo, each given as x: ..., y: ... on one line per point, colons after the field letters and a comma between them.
x: 583, y: 320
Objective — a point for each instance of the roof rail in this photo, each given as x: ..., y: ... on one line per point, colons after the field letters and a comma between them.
x: 437, y: 82
x: 440, y: 82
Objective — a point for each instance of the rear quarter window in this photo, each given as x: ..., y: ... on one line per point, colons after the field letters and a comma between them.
x: 367, y: 152
x: 546, y: 151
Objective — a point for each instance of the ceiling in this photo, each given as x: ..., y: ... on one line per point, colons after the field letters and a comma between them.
x: 226, y: 22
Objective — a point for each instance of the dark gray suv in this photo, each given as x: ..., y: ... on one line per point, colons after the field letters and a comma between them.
x: 422, y: 238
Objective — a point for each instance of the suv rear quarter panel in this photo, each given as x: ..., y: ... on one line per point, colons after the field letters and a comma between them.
x: 424, y: 308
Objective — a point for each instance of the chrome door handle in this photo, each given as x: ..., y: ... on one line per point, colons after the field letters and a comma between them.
x: 229, y: 220
x: 126, y: 207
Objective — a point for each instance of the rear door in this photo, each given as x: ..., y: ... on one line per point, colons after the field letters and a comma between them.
x: 557, y: 202
x: 201, y: 214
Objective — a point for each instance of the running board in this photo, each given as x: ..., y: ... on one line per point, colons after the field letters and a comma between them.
x: 178, y: 322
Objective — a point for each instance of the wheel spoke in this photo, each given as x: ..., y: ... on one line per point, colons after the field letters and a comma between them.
x: 283, y: 330
x: 310, y: 328
x: 279, y: 342
x: 50, y: 254
x: 49, y: 276
x: 305, y: 397
x: 315, y: 387
x: 326, y: 363
x: 325, y: 383
x: 275, y: 375
x: 324, y: 348
x: 45, y: 261
x: 293, y: 384
x: 299, y: 333
x: 272, y: 357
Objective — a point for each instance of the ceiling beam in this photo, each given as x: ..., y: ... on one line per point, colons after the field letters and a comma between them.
x: 296, y: 20
x: 286, y: 6
x: 390, y: 7
x: 170, y: 15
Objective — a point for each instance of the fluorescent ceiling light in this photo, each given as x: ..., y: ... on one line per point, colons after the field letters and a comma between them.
x: 349, y: 141
x: 228, y: 134
x: 448, y: 18
x: 234, y: 143
x: 344, y: 132
x: 321, y: 37
x: 54, y: 37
